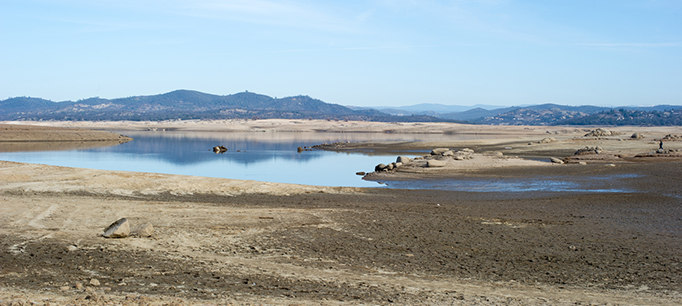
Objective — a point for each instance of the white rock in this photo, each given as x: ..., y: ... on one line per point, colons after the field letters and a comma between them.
x: 143, y: 230
x: 556, y: 160
x: 118, y: 229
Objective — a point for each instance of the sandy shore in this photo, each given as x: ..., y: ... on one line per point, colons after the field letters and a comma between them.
x: 220, y: 241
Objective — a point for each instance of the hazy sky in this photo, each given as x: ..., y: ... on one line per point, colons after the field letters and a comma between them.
x: 365, y: 53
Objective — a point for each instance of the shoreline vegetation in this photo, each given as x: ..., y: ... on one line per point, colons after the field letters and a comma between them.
x: 222, y: 241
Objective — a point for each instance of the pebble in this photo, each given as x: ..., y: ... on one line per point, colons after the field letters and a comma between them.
x: 94, y: 282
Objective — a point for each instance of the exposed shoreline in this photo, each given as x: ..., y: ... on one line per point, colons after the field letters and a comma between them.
x: 232, y: 241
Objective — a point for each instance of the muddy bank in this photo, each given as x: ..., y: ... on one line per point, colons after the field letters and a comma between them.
x: 18, y: 138
x: 216, y: 242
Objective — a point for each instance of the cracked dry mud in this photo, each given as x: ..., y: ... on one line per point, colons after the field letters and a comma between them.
x: 220, y: 245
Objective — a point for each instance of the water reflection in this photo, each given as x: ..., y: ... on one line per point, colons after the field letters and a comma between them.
x: 267, y: 156
x: 272, y: 157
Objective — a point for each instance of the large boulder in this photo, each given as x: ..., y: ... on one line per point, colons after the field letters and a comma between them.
x: 637, y: 136
x: 589, y: 150
x: 118, y: 229
x: 403, y: 159
x: 601, y: 133
x: 435, y: 163
x: 143, y: 230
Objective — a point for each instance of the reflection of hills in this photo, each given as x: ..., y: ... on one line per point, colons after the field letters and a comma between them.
x: 185, y: 150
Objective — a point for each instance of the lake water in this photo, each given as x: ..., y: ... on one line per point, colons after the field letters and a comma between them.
x: 272, y: 157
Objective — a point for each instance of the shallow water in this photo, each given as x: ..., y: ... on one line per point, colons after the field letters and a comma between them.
x: 611, y: 183
x: 272, y: 157
x: 267, y: 156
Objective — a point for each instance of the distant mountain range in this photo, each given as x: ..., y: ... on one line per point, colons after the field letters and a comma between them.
x: 186, y: 104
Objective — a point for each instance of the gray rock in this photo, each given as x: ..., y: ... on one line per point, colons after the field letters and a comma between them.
x: 94, y: 282
x: 637, y: 136
x: 118, y: 229
x: 548, y: 140
x: 390, y: 166
x: 448, y: 153
x: 435, y: 163
x: 439, y: 151
x: 556, y: 160
x: 143, y: 230
x: 397, y: 164
x: 403, y: 159
x: 466, y: 150
x: 460, y: 157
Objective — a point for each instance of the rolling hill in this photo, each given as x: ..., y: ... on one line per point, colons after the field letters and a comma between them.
x: 187, y: 104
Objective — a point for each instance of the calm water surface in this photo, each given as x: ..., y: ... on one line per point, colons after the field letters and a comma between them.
x: 272, y: 157
x: 268, y: 156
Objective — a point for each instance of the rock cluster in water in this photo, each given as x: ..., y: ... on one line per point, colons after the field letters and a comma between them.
x: 437, y: 158
x: 219, y: 149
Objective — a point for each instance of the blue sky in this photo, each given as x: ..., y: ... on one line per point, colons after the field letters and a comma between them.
x: 364, y: 53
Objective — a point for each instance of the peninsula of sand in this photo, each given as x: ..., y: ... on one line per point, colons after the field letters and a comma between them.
x: 226, y: 242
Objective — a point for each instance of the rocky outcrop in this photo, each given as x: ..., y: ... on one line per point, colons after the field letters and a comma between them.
x: 601, y: 133
x: 589, y: 150
x: 438, y: 157
x: 637, y: 136
x: 671, y: 137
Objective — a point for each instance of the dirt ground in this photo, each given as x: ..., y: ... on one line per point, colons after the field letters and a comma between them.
x: 220, y: 241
